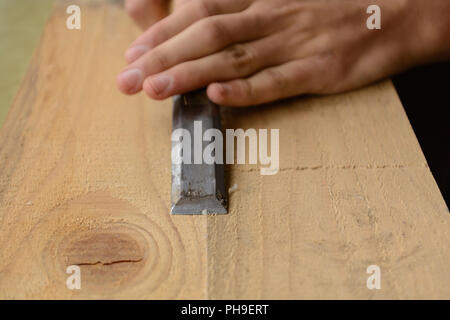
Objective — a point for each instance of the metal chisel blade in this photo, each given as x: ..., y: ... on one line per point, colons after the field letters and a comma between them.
x: 197, y: 188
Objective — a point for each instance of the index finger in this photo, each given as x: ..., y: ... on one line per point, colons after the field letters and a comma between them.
x: 189, y: 13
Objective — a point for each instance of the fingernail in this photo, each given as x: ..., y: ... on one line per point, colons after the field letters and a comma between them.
x: 160, y: 83
x: 131, y: 80
x: 135, y: 52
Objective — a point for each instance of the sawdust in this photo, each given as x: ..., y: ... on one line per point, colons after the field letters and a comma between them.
x: 233, y: 188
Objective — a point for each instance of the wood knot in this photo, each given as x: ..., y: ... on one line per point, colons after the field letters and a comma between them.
x: 120, y: 251
x: 108, y: 259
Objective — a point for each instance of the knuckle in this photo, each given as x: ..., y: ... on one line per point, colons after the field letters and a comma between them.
x: 157, y: 34
x: 161, y: 59
x: 241, y: 58
x: 176, y: 83
x: 324, y: 64
x: 278, y: 18
x: 217, y: 32
x: 205, y: 8
x: 247, y: 89
x: 277, y: 79
x: 259, y: 21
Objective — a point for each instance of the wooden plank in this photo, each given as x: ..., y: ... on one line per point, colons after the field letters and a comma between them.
x: 353, y: 190
x: 85, y: 179
x: 85, y: 176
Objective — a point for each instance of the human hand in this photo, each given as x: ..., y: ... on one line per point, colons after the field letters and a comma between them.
x: 147, y: 12
x: 254, y: 51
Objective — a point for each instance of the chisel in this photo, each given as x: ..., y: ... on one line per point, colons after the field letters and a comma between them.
x: 197, y: 188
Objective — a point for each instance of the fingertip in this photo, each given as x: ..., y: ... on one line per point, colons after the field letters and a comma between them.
x: 129, y: 81
x: 217, y: 92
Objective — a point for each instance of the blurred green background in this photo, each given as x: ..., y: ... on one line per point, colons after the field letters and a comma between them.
x: 21, y: 24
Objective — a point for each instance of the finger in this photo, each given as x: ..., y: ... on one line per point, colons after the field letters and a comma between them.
x: 218, y: 32
x: 189, y: 13
x: 146, y: 12
x: 179, y: 3
x: 234, y: 62
x: 290, y: 79
x: 201, y: 39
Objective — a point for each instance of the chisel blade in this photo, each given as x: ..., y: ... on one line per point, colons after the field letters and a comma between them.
x: 197, y: 188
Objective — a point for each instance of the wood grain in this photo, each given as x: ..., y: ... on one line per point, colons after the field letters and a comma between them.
x: 85, y: 179
x: 85, y: 176
x: 353, y: 190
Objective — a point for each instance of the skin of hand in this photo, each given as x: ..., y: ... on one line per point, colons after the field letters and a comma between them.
x: 147, y: 12
x: 249, y: 52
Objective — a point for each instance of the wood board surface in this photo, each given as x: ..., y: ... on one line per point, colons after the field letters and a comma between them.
x: 85, y: 180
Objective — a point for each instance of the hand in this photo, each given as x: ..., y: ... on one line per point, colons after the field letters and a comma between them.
x: 254, y: 51
x: 147, y: 12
